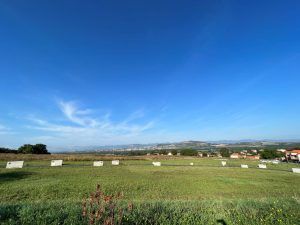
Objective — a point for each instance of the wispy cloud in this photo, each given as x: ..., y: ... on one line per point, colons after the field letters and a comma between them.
x: 5, y: 130
x: 82, y: 126
x: 134, y: 116
x: 76, y: 115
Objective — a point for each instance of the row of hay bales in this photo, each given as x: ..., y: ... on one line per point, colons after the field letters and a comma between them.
x: 59, y: 162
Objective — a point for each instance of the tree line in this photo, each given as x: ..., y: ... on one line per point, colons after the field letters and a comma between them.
x: 27, y: 149
x: 264, y: 154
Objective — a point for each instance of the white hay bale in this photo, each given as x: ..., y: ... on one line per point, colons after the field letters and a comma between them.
x: 14, y: 164
x: 56, y: 162
x: 262, y: 166
x: 98, y: 163
x: 296, y: 170
x: 244, y: 166
x: 156, y: 163
x: 115, y: 162
x: 275, y: 161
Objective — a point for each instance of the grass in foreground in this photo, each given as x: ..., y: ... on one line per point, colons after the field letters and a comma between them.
x: 200, y: 194
x: 161, y: 212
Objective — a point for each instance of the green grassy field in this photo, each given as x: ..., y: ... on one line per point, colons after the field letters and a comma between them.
x: 174, y: 193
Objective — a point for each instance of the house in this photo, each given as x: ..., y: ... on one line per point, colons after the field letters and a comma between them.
x: 200, y: 154
x: 170, y: 154
x: 253, y: 151
x: 293, y: 155
x: 235, y: 155
x: 281, y: 150
x: 178, y: 153
x: 253, y: 157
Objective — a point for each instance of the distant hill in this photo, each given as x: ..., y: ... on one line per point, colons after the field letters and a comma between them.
x: 191, y: 144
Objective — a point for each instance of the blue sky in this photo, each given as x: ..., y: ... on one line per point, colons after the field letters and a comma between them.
x: 77, y: 73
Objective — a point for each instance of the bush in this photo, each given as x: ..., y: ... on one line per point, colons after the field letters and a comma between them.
x: 189, y: 152
x: 225, y: 152
x: 7, y: 150
x: 271, y: 154
x: 33, y: 149
x: 174, y: 152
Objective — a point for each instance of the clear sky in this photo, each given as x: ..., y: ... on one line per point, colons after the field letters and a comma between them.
x: 77, y: 73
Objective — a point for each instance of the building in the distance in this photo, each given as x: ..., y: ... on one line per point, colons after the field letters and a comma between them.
x: 235, y: 155
x: 253, y: 157
x: 281, y: 150
x: 253, y: 151
x: 293, y: 155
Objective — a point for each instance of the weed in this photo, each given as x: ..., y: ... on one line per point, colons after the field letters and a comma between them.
x: 104, y: 209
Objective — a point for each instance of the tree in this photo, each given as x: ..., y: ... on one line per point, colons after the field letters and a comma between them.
x: 7, y: 150
x: 225, y: 152
x: 40, y: 149
x: 26, y: 149
x: 270, y: 154
x: 33, y: 149
x: 189, y: 152
x: 174, y: 152
x: 163, y: 152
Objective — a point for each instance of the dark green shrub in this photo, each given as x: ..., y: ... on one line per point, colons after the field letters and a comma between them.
x: 189, y: 152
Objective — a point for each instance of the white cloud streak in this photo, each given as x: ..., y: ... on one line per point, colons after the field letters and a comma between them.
x: 75, y: 115
x: 83, y: 128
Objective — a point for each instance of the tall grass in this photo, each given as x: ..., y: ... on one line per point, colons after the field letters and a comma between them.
x: 161, y: 212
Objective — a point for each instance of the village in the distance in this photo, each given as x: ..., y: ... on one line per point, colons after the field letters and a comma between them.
x: 254, y: 150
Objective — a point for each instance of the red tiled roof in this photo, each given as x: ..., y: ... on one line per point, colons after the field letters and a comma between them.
x: 295, y: 151
x: 253, y: 156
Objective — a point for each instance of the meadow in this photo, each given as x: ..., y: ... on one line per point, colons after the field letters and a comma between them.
x: 175, y: 193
